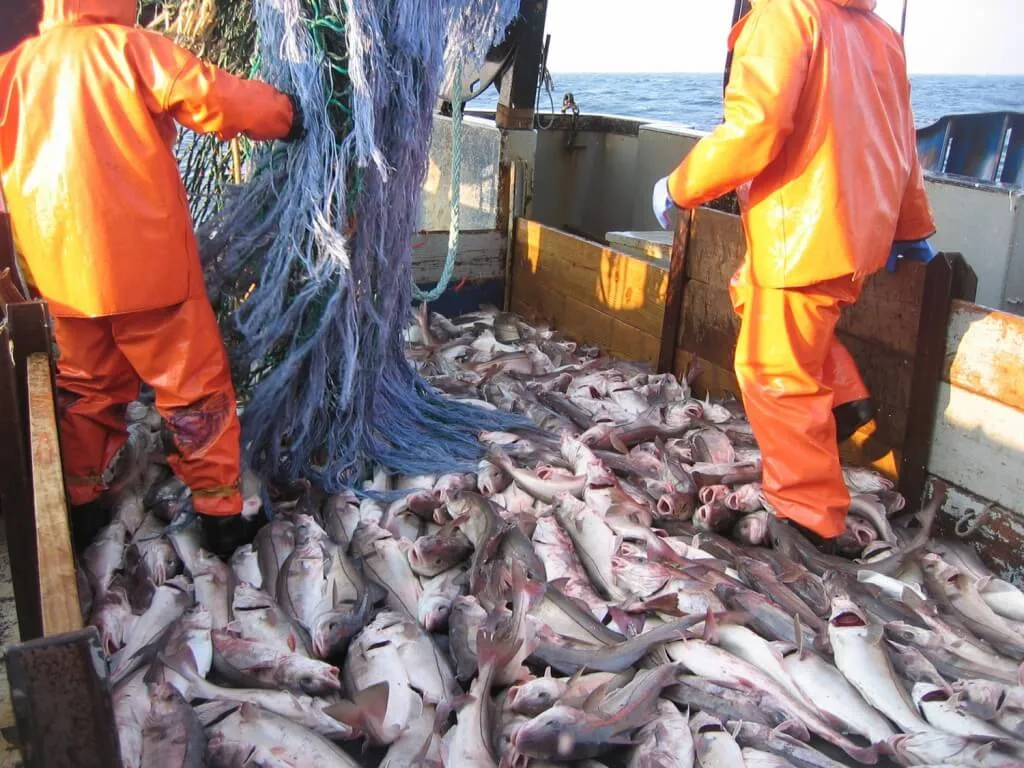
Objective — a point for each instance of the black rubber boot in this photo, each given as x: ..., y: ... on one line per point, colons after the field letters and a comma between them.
x: 87, y: 520
x: 223, y: 534
x: 852, y: 416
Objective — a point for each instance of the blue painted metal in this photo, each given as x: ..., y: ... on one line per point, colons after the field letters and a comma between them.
x: 1013, y: 166
x: 986, y: 147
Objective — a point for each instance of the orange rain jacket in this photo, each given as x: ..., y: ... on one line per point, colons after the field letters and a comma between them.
x: 797, y: 102
x: 87, y: 122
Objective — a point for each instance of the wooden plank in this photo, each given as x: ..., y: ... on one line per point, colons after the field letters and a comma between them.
x: 481, y: 256
x: 977, y: 445
x: 709, y: 326
x: 16, y: 497
x: 717, y: 249
x: 58, y: 587
x: 887, y: 322
x: 674, y: 295
x: 889, y: 377
x: 712, y: 379
x: 631, y: 290
x: 983, y: 353
x: 936, y: 300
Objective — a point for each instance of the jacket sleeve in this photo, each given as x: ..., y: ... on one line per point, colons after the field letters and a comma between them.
x: 915, y: 221
x: 203, y: 97
x: 770, y: 63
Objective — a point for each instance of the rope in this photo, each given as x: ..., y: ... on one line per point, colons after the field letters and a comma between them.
x: 453, y: 228
x: 971, y: 521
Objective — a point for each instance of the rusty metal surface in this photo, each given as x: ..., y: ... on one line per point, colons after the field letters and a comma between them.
x: 62, y: 702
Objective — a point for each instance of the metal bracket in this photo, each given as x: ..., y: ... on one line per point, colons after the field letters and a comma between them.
x: 60, y: 690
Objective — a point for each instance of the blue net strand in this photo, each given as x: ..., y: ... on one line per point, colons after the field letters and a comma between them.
x: 310, y: 263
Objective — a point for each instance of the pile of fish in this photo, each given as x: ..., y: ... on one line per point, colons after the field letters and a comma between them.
x: 608, y: 588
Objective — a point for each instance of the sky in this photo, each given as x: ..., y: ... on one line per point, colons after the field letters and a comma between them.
x: 690, y: 35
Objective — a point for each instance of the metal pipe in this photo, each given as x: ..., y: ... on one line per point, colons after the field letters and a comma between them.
x: 903, y: 19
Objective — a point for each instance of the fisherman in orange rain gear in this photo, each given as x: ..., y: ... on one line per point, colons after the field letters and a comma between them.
x: 102, y: 227
x: 819, y: 141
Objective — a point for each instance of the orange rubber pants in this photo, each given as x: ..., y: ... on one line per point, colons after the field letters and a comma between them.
x: 792, y: 372
x: 179, y: 353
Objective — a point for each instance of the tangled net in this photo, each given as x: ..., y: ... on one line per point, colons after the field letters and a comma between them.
x: 309, y: 263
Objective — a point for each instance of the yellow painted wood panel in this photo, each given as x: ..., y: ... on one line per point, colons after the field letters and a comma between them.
x: 629, y: 289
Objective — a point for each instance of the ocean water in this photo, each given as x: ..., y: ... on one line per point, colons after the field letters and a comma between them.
x: 695, y: 100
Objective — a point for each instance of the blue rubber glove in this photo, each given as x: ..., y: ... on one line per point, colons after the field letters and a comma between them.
x: 915, y: 250
x: 662, y: 203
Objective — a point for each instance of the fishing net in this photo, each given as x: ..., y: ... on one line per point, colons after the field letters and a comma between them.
x: 309, y: 263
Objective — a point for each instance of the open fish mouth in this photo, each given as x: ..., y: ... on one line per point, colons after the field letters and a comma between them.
x: 848, y: 619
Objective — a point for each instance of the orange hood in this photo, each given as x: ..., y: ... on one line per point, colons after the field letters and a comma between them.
x: 857, y: 5
x: 61, y: 12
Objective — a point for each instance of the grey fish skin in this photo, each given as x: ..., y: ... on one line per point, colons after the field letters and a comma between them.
x: 104, y: 556
x: 151, y: 550
x: 914, y: 666
x: 568, y: 618
x: 725, y: 703
x: 714, y: 747
x: 542, y: 490
x: 862, y: 660
x: 131, y: 706
x: 385, y: 564
x: 755, y: 758
x: 467, y: 616
x: 211, y: 579
x: 300, y: 709
x: 169, y: 602
x: 724, y: 668
x: 257, y: 617
x: 805, y: 584
x: 825, y: 687
x: 760, y: 576
x: 567, y: 733
x: 595, y: 544
x: 870, y: 509
x: 113, y: 617
x: 665, y: 742
x: 252, y: 737
x: 245, y: 567
x: 254, y: 665
x: 435, y: 606
x: 568, y: 659
x: 171, y: 735
x: 273, y: 544
x: 796, y: 752
x: 961, y: 595
x: 434, y: 554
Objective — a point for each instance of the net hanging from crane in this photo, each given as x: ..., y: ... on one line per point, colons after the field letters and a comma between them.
x: 309, y: 263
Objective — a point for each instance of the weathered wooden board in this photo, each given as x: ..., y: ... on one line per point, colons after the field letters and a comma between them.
x: 711, y: 380
x: 717, y: 247
x: 58, y: 590
x: 984, y: 353
x: 481, y: 256
x: 993, y: 531
x: 978, y: 444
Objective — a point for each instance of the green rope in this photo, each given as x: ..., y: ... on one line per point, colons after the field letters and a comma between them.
x: 456, y: 189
